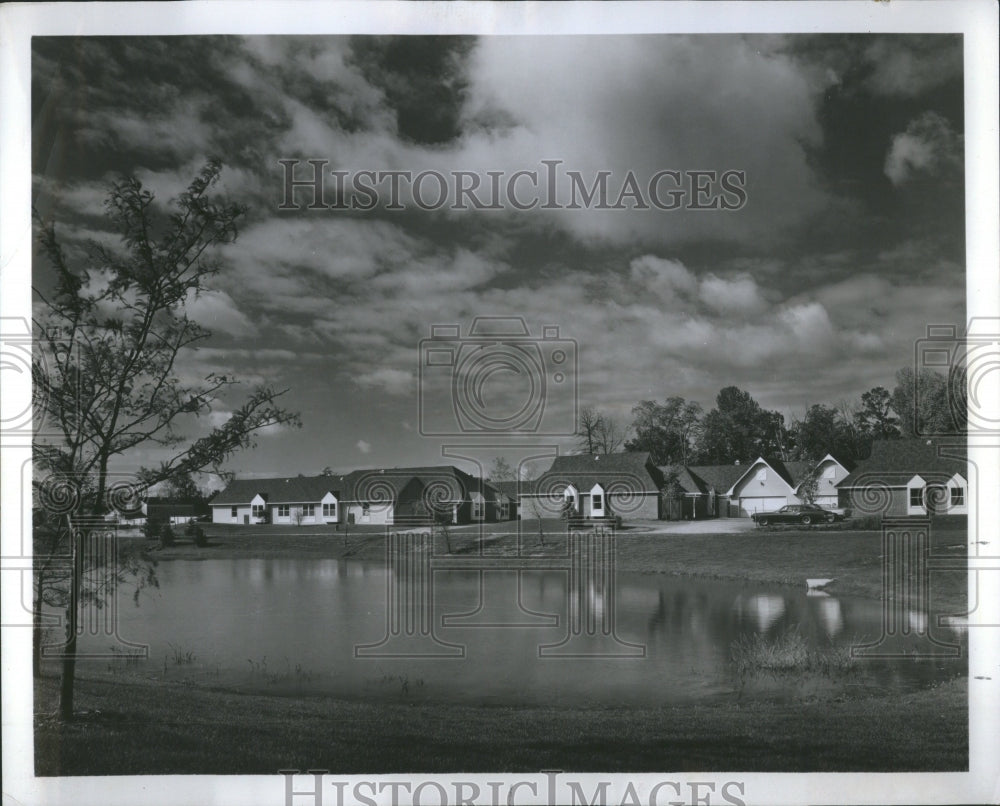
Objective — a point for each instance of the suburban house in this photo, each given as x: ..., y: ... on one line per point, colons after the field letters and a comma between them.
x: 299, y: 499
x: 909, y: 477
x: 708, y: 491
x: 597, y: 486
x: 174, y: 511
x: 698, y: 491
x: 511, y: 491
x: 901, y: 478
x: 770, y: 484
x: 417, y: 490
x: 374, y: 496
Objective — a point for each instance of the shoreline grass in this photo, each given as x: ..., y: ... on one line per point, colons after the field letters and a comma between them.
x: 141, y: 727
x: 788, y: 653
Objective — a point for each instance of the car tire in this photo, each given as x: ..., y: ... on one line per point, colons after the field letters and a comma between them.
x: 807, y: 520
x: 762, y: 521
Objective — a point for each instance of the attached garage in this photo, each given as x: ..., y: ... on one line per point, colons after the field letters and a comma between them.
x: 748, y: 506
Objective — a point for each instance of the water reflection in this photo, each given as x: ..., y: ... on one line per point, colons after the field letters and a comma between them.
x: 294, y: 624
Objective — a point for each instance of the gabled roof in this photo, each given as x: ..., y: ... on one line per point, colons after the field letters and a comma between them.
x: 292, y: 490
x: 717, y: 477
x: 686, y: 479
x: 796, y: 472
x: 847, y: 464
x: 510, y: 488
x: 445, y: 482
x: 893, y: 462
x: 359, y: 485
x: 163, y: 507
x: 585, y: 470
x: 790, y: 472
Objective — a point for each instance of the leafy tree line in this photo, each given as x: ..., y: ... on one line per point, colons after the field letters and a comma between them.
x: 738, y: 428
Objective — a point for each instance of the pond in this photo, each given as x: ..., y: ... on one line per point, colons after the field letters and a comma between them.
x: 502, y: 636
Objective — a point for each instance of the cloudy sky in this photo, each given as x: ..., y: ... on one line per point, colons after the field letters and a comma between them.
x: 850, y: 243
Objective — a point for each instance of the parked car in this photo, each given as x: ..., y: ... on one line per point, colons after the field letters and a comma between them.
x: 805, y: 514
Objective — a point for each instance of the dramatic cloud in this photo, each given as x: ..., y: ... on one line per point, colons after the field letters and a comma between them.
x: 907, y: 66
x: 929, y: 145
x: 814, y: 290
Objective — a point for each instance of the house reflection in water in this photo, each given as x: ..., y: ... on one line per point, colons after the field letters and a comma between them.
x: 828, y: 612
x: 762, y: 611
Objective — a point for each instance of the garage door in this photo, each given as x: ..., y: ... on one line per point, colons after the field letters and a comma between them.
x: 748, y: 506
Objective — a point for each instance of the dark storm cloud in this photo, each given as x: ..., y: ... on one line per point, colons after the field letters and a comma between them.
x: 423, y: 79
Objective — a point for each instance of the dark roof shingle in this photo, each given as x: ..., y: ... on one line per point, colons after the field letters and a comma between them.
x: 895, y: 461
x: 293, y: 490
x: 585, y: 470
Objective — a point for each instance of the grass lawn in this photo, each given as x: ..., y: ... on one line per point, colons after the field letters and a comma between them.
x: 145, y: 727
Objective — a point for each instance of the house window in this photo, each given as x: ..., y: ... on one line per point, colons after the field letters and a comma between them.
x: 957, y: 497
x: 283, y: 510
x: 597, y: 502
x: 329, y: 510
x: 366, y: 509
x: 477, y: 509
x: 762, y: 474
x: 257, y: 510
x: 916, y: 496
x: 235, y: 513
x: 309, y: 510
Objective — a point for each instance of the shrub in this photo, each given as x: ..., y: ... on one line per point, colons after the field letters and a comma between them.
x: 152, y: 528
x: 787, y: 653
x: 167, y: 536
x: 200, y: 538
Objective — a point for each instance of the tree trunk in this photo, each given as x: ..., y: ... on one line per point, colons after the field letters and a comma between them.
x: 36, y: 637
x: 72, y: 617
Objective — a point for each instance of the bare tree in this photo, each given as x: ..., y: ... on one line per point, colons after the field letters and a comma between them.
x: 599, y: 433
x: 538, y: 512
x: 111, y: 337
x: 501, y: 471
x: 588, y: 430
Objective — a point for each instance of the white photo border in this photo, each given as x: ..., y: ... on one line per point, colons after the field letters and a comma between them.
x: 976, y: 21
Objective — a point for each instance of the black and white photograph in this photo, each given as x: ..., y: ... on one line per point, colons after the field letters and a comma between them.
x: 488, y: 403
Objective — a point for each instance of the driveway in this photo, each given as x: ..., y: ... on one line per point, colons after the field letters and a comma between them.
x: 710, y: 526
